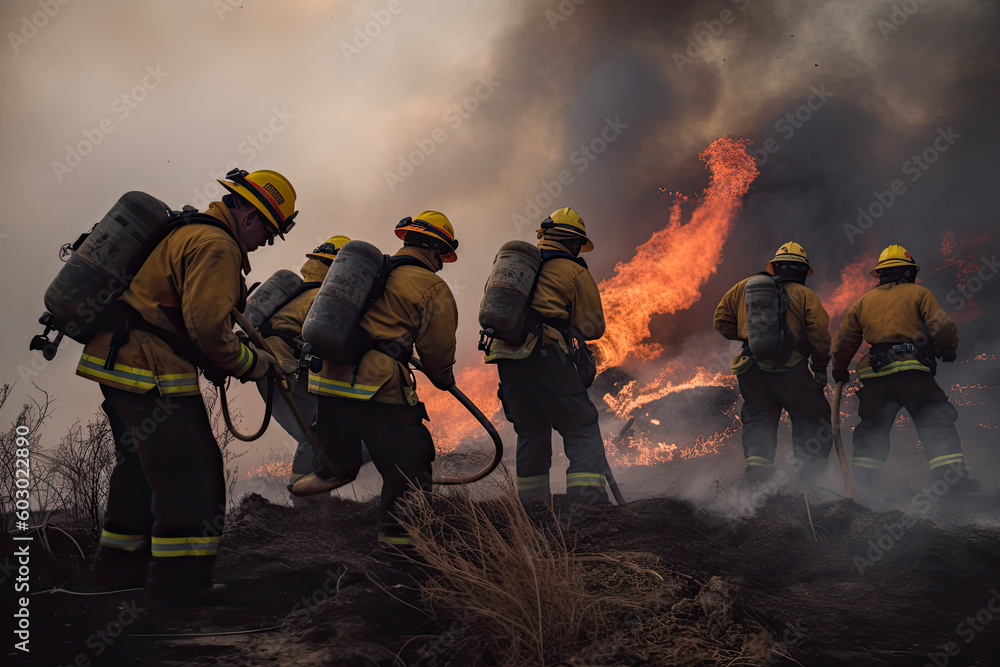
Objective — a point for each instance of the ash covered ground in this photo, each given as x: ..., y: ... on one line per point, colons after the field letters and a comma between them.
x: 760, y: 575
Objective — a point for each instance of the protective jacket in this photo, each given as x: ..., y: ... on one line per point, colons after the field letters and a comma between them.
x: 188, y: 286
x: 565, y: 291
x: 807, y: 320
x: 894, y: 313
x: 417, y: 311
x: 286, y: 324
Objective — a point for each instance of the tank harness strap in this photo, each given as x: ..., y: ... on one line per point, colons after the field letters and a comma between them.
x: 534, y: 319
x: 394, y: 349
x: 181, y: 344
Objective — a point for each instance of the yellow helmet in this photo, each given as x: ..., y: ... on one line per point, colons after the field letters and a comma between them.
x: 329, y: 249
x: 435, y: 225
x: 568, y: 222
x: 894, y: 255
x: 790, y: 252
x: 269, y: 192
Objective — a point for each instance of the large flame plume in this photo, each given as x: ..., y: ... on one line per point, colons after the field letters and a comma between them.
x: 652, y: 282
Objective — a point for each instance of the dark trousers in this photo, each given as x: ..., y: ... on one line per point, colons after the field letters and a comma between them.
x: 541, y: 393
x: 765, y: 395
x: 167, y: 494
x: 881, y: 399
x: 399, y: 444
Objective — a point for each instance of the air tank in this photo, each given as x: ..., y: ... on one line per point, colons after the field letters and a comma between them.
x: 766, y: 305
x: 272, y: 295
x: 510, y: 286
x: 332, y: 324
x: 81, y: 298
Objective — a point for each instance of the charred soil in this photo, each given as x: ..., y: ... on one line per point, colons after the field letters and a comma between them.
x: 852, y: 586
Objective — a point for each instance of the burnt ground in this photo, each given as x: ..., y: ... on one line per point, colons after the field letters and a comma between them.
x: 870, y: 588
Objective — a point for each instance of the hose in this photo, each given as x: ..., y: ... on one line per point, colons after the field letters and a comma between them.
x: 481, y: 418
x: 283, y: 390
x: 224, y: 402
x: 838, y: 440
x: 259, y: 341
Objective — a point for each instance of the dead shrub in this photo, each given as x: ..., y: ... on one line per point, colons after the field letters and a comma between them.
x: 513, y: 591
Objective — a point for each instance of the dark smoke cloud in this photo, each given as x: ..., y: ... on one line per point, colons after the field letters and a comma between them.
x: 884, y: 94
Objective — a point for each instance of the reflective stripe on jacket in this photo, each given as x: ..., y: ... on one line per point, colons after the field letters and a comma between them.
x: 417, y: 308
x: 894, y: 313
x: 807, y: 320
x: 565, y: 291
x: 188, y: 286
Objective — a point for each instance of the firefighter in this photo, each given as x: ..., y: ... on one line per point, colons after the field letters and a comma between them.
x: 769, y: 386
x: 376, y: 400
x: 540, y: 386
x: 166, y: 500
x: 280, y: 332
x: 907, y: 331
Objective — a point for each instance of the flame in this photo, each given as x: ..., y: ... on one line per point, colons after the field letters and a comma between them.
x: 855, y: 280
x: 450, y: 422
x: 275, y: 469
x: 962, y: 258
x: 631, y: 397
x: 650, y: 283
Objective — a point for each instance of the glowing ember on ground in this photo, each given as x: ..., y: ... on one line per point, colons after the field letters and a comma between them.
x: 274, y: 469
x: 631, y: 397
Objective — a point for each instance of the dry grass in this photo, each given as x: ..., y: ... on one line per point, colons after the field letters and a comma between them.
x: 516, y: 593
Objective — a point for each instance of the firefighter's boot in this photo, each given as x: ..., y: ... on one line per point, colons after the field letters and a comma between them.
x: 956, y: 476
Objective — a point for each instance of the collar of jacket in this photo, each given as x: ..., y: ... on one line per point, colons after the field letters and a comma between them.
x: 221, y: 212
x: 419, y: 254
x: 549, y: 244
x: 313, y: 271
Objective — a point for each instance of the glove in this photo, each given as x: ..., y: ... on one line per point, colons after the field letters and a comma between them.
x: 948, y: 358
x: 841, y: 375
x: 262, y: 365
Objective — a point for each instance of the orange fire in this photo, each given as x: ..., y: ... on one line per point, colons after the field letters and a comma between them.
x: 962, y: 257
x: 650, y: 283
x: 631, y: 397
x: 278, y: 469
x: 855, y: 280
x: 450, y: 422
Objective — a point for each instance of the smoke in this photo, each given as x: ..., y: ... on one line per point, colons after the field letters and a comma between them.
x: 603, y: 106
x: 837, y: 100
